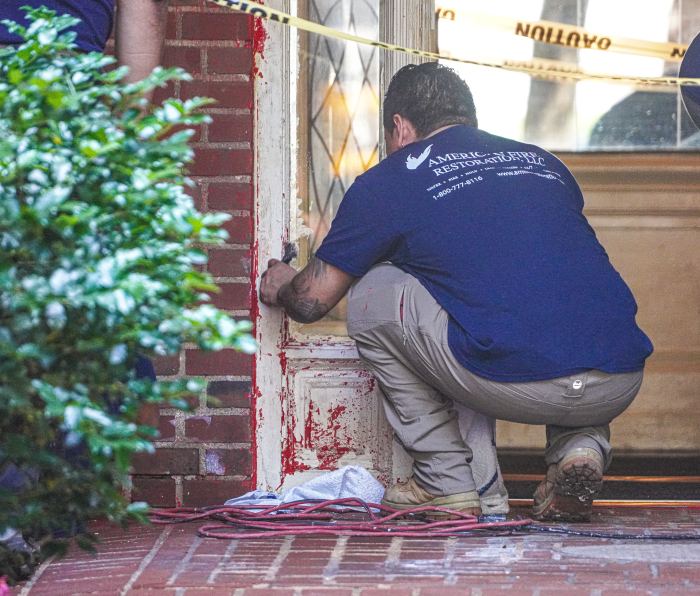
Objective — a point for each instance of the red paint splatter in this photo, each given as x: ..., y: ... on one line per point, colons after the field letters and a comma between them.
x: 323, y: 435
x: 259, y: 37
x: 283, y: 362
x: 290, y: 462
x: 258, y: 45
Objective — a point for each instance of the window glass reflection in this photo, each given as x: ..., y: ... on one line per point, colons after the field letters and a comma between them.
x: 338, y: 108
x: 586, y: 115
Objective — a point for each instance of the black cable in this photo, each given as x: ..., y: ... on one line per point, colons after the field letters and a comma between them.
x: 598, y: 534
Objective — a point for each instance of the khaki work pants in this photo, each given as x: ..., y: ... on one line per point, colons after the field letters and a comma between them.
x: 401, y: 335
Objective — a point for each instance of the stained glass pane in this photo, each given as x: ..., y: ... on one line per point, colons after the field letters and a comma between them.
x: 338, y: 108
x: 342, y: 123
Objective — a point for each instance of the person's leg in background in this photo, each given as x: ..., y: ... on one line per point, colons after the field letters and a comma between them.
x: 479, y: 434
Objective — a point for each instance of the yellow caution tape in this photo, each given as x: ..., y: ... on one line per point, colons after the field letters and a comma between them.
x: 265, y: 12
x: 556, y: 69
x: 569, y: 36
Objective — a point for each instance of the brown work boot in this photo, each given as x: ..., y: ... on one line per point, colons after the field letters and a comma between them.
x: 568, y: 490
x: 407, y: 495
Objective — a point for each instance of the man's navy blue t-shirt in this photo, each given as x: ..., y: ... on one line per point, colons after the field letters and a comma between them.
x: 92, y: 32
x: 494, y: 230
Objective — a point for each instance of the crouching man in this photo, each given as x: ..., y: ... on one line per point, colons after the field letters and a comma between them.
x: 475, y: 280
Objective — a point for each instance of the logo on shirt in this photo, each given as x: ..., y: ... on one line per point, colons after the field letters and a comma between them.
x: 413, y: 162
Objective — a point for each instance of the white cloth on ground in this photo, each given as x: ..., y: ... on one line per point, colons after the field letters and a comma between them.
x: 346, y: 482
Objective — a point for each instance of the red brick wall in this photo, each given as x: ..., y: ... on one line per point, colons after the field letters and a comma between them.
x: 205, y: 456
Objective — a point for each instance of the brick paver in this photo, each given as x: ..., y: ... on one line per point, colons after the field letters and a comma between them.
x: 174, y: 560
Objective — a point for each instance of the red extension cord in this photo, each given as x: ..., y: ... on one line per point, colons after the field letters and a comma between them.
x: 334, y: 517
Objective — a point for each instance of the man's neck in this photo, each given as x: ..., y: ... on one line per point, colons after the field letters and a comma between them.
x: 439, y: 130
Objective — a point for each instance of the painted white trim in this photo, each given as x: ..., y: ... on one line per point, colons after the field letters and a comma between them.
x: 273, y: 186
x: 323, y: 349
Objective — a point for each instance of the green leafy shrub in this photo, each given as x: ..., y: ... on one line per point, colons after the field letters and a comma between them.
x: 100, y: 261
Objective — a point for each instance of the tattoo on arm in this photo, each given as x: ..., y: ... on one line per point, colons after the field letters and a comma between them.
x: 296, y: 296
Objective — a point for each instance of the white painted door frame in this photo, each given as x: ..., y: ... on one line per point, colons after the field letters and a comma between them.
x: 334, y: 360
x: 274, y: 181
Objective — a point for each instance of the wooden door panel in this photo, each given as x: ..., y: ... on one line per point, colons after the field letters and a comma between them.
x: 333, y: 417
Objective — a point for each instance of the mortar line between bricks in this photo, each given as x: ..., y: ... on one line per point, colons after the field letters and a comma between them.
x: 448, y: 559
x: 221, y: 145
x: 393, y: 555
x: 331, y: 569
x: 226, y: 111
x: 37, y: 574
x: 239, y: 312
x: 203, y: 411
x: 179, y: 496
x: 230, y: 549
x: 283, y: 553
x: 197, y: 444
x: 238, y: 592
x: 231, y: 280
x: 204, y: 55
x: 230, y: 245
x: 171, y: 411
x: 234, y: 178
x: 184, y: 561
x: 147, y: 559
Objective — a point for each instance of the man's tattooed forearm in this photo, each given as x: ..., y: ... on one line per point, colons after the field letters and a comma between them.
x: 295, y: 298
x: 303, y: 310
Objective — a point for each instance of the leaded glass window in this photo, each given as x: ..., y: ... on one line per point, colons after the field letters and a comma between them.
x: 338, y: 107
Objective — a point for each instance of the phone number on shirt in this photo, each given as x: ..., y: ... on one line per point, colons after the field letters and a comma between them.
x: 462, y: 184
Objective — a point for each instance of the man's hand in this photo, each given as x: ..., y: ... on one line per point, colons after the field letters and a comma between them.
x: 277, y: 275
x: 305, y: 296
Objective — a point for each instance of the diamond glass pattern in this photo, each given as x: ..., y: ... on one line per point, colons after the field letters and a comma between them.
x: 343, y: 108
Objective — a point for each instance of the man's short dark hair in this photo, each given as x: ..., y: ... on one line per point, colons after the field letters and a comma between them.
x: 431, y: 96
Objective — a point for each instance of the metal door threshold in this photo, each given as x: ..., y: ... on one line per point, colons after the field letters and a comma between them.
x: 623, y: 503
x: 616, y: 478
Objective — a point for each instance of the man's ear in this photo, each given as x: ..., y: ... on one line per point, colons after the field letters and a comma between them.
x: 405, y: 131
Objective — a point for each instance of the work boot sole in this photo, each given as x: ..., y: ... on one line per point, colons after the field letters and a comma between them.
x: 577, y: 483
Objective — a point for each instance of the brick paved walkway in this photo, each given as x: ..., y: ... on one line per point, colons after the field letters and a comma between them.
x: 173, y: 560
